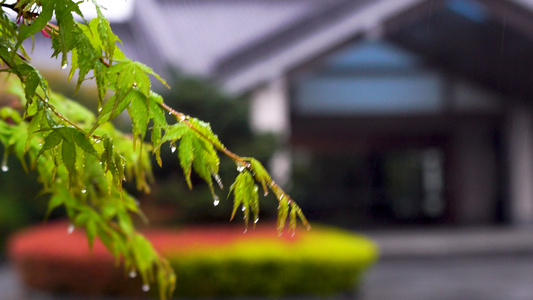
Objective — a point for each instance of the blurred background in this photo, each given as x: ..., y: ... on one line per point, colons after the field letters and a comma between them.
x: 407, y: 120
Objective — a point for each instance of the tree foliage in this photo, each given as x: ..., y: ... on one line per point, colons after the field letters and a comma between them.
x: 82, y: 160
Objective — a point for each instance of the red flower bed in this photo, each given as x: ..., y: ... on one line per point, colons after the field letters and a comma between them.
x: 49, y: 257
x: 209, y: 261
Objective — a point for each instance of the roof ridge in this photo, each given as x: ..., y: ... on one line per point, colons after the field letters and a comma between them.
x: 265, y: 45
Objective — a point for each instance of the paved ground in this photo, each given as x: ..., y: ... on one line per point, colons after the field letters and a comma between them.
x: 469, y: 278
x: 476, y: 264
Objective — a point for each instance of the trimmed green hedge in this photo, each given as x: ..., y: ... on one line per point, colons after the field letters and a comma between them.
x: 319, y: 262
x: 211, y: 261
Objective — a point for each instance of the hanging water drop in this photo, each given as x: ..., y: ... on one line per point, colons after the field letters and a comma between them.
x: 172, y: 148
x: 219, y: 181
x: 256, y: 220
x: 146, y: 287
x: 133, y: 273
x: 83, y: 191
x: 8, y: 49
x: 5, y: 168
x: 70, y: 229
x: 240, y: 168
x: 99, y: 109
x: 243, y: 208
x: 245, y: 230
x: 64, y: 66
x: 216, y: 200
x: 293, y: 233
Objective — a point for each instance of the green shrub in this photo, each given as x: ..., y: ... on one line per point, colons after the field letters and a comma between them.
x: 320, y: 262
x: 210, y: 261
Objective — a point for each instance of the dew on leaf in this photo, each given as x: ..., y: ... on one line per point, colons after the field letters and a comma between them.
x: 5, y: 168
x: 216, y: 200
x: 219, y: 181
x: 243, y: 208
x: 173, y: 148
x: 70, y: 228
x: 146, y: 287
x: 64, y: 66
x: 133, y: 274
x: 83, y: 191
x: 256, y: 220
x: 240, y: 168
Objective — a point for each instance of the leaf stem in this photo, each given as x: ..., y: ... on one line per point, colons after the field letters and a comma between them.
x: 65, y: 119
x: 181, y: 117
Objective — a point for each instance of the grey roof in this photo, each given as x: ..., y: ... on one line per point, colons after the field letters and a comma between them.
x: 224, y: 38
x: 194, y: 35
x: 244, y: 43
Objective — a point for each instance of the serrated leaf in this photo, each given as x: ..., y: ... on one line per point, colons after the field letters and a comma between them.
x: 174, y: 132
x: 149, y: 71
x: 83, y: 142
x: 260, y: 174
x: 200, y: 163
x: 156, y: 142
x: 157, y: 114
x: 186, y: 156
x: 292, y: 217
x: 68, y: 153
x: 245, y: 194
x: 138, y: 111
x: 283, y: 211
x: 91, y: 231
x: 30, y: 85
x: 205, y: 131
x: 51, y: 140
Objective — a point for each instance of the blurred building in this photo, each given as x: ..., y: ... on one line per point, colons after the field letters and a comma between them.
x: 411, y: 111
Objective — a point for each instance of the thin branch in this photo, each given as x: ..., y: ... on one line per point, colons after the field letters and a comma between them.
x: 65, y: 119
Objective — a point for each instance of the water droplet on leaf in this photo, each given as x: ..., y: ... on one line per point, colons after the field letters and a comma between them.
x: 64, y: 66
x: 243, y: 208
x: 83, y: 191
x: 70, y: 228
x: 219, y: 181
x: 172, y: 148
x: 133, y: 274
x: 256, y: 220
x: 5, y: 168
x: 216, y: 201
x: 240, y: 168
x: 146, y: 287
